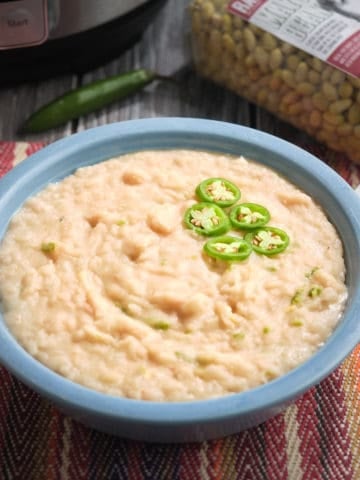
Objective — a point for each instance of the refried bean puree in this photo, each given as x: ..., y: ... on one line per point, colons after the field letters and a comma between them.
x: 101, y: 281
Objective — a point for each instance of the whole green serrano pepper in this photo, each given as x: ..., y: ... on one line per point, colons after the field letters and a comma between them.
x: 87, y: 99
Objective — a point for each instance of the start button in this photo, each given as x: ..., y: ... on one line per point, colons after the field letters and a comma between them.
x: 23, y: 23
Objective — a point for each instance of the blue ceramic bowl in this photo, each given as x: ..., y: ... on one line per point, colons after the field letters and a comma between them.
x: 197, y: 420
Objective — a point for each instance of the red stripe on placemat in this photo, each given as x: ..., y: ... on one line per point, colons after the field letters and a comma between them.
x: 26, y: 433
x: 107, y: 455
x: 229, y: 459
x: 8, y: 153
x: 34, y: 147
x: 334, y: 428
x: 190, y: 462
x: 159, y: 461
x: 214, y: 459
x: 309, y: 437
x: 78, y: 457
x: 7, y: 156
x: 275, y: 449
x: 53, y: 459
x: 134, y: 459
x: 249, y: 454
x: 351, y: 372
x: 5, y: 395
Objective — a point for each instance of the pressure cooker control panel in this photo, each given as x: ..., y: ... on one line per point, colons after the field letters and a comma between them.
x: 23, y: 23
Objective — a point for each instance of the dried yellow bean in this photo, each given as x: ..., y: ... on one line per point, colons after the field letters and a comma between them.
x: 218, y: 4
x: 292, y: 62
x: 314, y: 77
x: 301, y: 72
x: 334, y: 144
x: 249, y: 38
x: 253, y: 90
x: 208, y: 9
x: 290, y: 97
x: 307, y: 103
x: 288, y: 78
x: 344, y: 130
x: 357, y: 131
x: 340, y: 105
x: 228, y: 42
x: 264, y: 81
x: 345, y: 90
x: 305, y: 88
x: 257, y: 30
x: 215, y: 40
x: 328, y: 127
x: 329, y: 91
x: 250, y: 61
x: 240, y: 51
x: 354, y: 155
x: 295, y: 108
x: 227, y: 22
x: 320, y: 101
x: 287, y: 48
x: 261, y: 56
x: 275, y: 83
x: 216, y: 21
x: 333, y: 118
x: 273, y: 100
x: 237, y: 36
x: 315, y: 118
x: 325, y: 136
x: 262, y: 95
x: 337, y: 77
x: 268, y: 41
x: 354, y: 114
x: 238, y: 22
x: 326, y: 73
x: 354, y: 81
x: 354, y: 143
x: 276, y: 58
x: 255, y: 74
x: 317, y: 64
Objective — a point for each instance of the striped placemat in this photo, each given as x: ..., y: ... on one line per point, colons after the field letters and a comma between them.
x: 316, y: 438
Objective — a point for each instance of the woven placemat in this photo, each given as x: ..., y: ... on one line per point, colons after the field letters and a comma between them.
x: 316, y: 438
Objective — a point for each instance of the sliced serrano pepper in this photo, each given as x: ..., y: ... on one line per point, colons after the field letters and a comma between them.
x: 207, y: 219
x: 268, y: 240
x: 248, y: 216
x: 228, y: 248
x: 220, y: 191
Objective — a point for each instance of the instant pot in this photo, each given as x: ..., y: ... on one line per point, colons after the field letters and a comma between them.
x: 43, y: 38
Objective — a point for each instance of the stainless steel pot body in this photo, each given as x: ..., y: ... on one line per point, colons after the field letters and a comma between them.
x: 44, y: 38
x: 33, y: 22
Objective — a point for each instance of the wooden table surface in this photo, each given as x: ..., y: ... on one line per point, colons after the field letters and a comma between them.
x: 165, y: 47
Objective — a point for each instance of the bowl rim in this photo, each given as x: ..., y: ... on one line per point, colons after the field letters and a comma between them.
x: 63, y: 156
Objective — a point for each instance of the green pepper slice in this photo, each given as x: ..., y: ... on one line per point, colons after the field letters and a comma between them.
x: 220, y: 191
x: 229, y: 248
x: 268, y: 240
x: 207, y: 219
x: 248, y: 216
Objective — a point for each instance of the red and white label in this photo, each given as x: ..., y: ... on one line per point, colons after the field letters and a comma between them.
x: 347, y: 55
x: 245, y: 8
x: 330, y: 33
